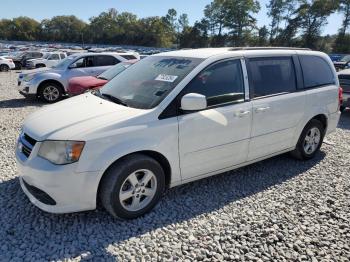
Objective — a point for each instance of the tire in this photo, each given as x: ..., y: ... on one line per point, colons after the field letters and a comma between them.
x: 342, y: 108
x: 50, y: 92
x: 4, y: 68
x: 309, y: 141
x: 40, y: 65
x: 120, y: 180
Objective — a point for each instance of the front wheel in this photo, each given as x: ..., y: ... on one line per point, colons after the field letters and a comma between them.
x: 4, y: 68
x: 132, y: 186
x: 50, y: 92
x: 310, y: 141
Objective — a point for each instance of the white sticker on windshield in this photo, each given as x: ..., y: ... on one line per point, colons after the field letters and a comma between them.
x: 166, y: 78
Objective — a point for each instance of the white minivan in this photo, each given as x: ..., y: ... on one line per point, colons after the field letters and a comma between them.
x: 173, y: 118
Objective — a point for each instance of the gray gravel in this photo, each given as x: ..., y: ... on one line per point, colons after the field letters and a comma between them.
x: 277, y: 210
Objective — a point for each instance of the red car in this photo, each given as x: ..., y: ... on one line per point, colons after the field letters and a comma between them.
x: 78, y: 85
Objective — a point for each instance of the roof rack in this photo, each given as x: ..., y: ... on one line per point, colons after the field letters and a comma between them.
x: 268, y: 48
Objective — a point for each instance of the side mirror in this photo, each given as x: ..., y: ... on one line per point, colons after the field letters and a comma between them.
x: 193, y: 102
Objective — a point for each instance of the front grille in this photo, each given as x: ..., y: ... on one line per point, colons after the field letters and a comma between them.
x: 39, y: 194
x: 27, y: 144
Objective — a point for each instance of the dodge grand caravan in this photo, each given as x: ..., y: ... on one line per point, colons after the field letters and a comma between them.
x: 173, y: 118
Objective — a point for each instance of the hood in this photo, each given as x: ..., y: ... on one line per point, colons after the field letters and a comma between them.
x: 71, y: 118
x: 39, y: 71
x: 87, y: 82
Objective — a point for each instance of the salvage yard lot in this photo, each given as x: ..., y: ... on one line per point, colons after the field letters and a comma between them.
x: 278, y: 209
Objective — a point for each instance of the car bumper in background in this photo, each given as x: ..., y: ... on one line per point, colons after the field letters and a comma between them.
x: 54, y: 188
x: 346, y: 99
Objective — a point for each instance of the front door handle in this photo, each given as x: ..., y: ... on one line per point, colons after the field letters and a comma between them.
x: 242, y: 113
x: 261, y: 109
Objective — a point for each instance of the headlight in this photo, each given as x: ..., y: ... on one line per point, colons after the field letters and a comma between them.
x: 61, y: 152
x: 28, y: 78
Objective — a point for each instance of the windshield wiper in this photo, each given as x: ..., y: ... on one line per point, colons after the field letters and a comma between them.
x: 114, y: 99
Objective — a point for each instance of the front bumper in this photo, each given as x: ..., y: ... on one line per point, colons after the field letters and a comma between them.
x: 69, y: 190
x: 26, y: 88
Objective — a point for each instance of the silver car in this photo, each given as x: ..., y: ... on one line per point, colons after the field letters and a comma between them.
x: 51, y: 84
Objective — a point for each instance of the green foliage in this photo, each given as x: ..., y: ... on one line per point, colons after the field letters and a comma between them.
x: 225, y: 23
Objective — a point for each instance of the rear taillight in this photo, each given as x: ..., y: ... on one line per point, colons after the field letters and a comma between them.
x: 340, y: 97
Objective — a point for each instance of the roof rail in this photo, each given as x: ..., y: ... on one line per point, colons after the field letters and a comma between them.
x: 269, y: 48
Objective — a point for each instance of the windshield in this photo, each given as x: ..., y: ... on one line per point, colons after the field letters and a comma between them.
x: 65, y: 62
x: 19, y: 55
x: 145, y: 84
x: 345, y: 59
x: 46, y: 56
x: 113, y: 71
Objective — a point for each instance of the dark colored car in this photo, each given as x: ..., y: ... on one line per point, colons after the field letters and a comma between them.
x: 344, y: 80
x: 20, y: 59
x: 79, y: 85
x: 343, y: 63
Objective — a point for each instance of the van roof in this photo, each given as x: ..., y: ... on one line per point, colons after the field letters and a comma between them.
x: 208, y: 52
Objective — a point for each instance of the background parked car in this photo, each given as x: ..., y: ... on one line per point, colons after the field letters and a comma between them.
x: 48, y: 60
x: 51, y: 84
x: 343, y: 63
x: 78, y: 85
x: 344, y: 80
x: 21, y: 58
x: 6, y: 64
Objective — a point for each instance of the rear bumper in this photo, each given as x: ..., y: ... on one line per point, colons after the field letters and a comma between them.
x: 333, y: 120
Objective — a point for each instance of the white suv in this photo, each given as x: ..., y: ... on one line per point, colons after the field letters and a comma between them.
x: 173, y: 118
x: 51, y: 84
x: 48, y: 60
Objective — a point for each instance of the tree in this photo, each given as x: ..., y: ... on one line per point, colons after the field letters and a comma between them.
x: 183, y: 21
x: 239, y: 18
x: 344, y: 8
x: 216, y: 14
x: 279, y: 11
x: 62, y: 29
x: 313, y: 17
x: 196, y: 36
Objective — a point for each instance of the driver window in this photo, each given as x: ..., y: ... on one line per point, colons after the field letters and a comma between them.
x: 221, y: 83
x: 79, y: 63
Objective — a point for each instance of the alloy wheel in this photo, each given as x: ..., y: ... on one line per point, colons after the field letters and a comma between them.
x: 138, y: 190
x: 312, y: 140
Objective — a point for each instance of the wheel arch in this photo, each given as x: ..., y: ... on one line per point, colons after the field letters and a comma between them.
x: 323, y: 119
x: 160, y: 158
x: 40, y: 86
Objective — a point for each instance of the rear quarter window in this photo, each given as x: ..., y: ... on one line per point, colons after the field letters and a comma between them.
x: 316, y: 71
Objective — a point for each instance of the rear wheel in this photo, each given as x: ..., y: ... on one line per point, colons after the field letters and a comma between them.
x: 50, y: 92
x: 4, y: 68
x: 310, y: 140
x: 132, y: 186
x: 342, y: 108
x: 40, y: 65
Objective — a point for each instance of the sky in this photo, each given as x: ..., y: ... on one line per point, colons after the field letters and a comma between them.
x: 84, y: 9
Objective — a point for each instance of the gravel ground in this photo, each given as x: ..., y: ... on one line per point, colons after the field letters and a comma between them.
x: 277, y: 210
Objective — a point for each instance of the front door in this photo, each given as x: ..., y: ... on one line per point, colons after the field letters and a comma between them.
x: 217, y: 137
